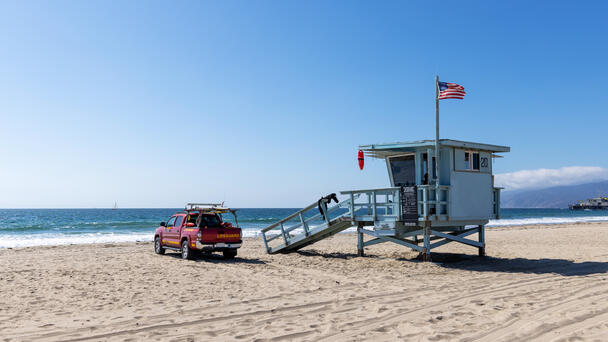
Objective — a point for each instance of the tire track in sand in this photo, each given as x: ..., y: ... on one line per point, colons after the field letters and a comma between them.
x: 520, y: 323
x: 389, y: 319
x: 163, y: 325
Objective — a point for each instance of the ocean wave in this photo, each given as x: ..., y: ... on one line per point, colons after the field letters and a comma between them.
x: 14, y: 241
x: 492, y: 223
x: 90, y: 226
x: 252, y: 233
x: 17, y: 238
x: 261, y: 219
x: 545, y: 220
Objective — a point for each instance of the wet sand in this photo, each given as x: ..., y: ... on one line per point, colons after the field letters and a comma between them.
x: 545, y: 283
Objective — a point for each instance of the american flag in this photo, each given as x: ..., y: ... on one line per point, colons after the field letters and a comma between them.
x: 450, y: 91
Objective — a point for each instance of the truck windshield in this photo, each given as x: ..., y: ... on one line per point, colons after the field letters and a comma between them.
x: 211, y: 221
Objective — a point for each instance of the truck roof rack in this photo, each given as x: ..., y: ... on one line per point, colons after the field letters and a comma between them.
x: 204, y: 205
x: 208, y: 207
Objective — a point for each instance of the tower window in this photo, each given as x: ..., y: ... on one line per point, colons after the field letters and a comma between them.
x: 471, y: 161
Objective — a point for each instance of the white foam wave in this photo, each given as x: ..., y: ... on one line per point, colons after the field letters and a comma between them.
x: 17, y: 240
x: 249, y: 233
x: 13, y: 241
x: 492, y: 223
x: 545, y: 220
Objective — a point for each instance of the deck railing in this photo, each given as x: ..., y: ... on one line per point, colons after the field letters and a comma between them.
x: 434, y: 202
x: 496, y: 197
x: 384, y: 204
x: 374, y: 205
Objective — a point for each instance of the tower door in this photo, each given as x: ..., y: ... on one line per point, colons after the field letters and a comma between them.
x: 403, y: 170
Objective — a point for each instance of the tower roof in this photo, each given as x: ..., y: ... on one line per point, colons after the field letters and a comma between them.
x: 388, y: 149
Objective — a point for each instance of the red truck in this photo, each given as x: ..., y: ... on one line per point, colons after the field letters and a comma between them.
x: 200, y: 228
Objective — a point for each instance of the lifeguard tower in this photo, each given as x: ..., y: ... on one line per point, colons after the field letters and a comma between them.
x: 441, y: 191
x: 427, y: 205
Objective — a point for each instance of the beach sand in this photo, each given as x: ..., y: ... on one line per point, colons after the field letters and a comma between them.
x: 546, y: 283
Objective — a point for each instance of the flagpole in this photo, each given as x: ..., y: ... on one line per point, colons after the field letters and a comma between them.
x: 437, y: 206
x: 437, y: 129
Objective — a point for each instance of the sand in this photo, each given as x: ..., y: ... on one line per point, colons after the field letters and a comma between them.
x: 545, y: 283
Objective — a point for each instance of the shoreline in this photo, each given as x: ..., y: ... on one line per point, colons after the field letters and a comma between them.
x: 514, y: 227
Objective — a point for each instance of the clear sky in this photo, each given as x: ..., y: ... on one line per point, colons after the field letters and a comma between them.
x: 263, y: 103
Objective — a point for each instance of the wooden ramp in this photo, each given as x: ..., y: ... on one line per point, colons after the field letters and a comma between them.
x: 301, y: 229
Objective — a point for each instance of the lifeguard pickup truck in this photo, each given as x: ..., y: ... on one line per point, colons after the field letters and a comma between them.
x: 200, y: 228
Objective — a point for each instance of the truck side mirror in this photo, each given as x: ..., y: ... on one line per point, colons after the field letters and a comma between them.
x: 163, y: 224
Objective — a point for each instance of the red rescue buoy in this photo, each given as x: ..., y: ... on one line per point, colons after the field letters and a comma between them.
x: 361, y: 160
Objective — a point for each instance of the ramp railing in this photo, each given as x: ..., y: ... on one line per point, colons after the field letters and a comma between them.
x: 303, y: 223
x: 314, y: 223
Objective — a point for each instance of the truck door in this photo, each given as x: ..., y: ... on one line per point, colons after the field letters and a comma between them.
x: 169, y: 233
x: 177, y: 229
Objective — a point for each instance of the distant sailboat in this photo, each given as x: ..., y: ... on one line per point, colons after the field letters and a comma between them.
x: 115, y: 206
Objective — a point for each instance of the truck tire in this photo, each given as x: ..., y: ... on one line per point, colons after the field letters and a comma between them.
x: 158, y: 246
x: 229, y: 253
x: 187, y: 253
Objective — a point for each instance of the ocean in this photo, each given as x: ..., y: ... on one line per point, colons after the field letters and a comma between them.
x: 38, y: 227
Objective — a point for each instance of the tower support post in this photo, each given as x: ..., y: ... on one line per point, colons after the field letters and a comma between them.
x: 360, y: 242
x: 482, y: 239
x: 426, y: 238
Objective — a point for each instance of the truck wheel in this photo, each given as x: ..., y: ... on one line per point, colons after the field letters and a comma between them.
x: 158, y: 247
x: 186, y: 251
x: 229, y: 253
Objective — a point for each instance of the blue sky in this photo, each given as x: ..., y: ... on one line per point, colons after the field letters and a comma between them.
x: 263, y: 104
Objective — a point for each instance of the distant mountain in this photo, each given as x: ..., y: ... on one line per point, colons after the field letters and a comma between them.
x: 554, y: 197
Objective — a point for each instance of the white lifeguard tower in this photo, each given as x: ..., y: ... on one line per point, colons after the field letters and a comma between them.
x: 441, y: 191
x: 418, y: 211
